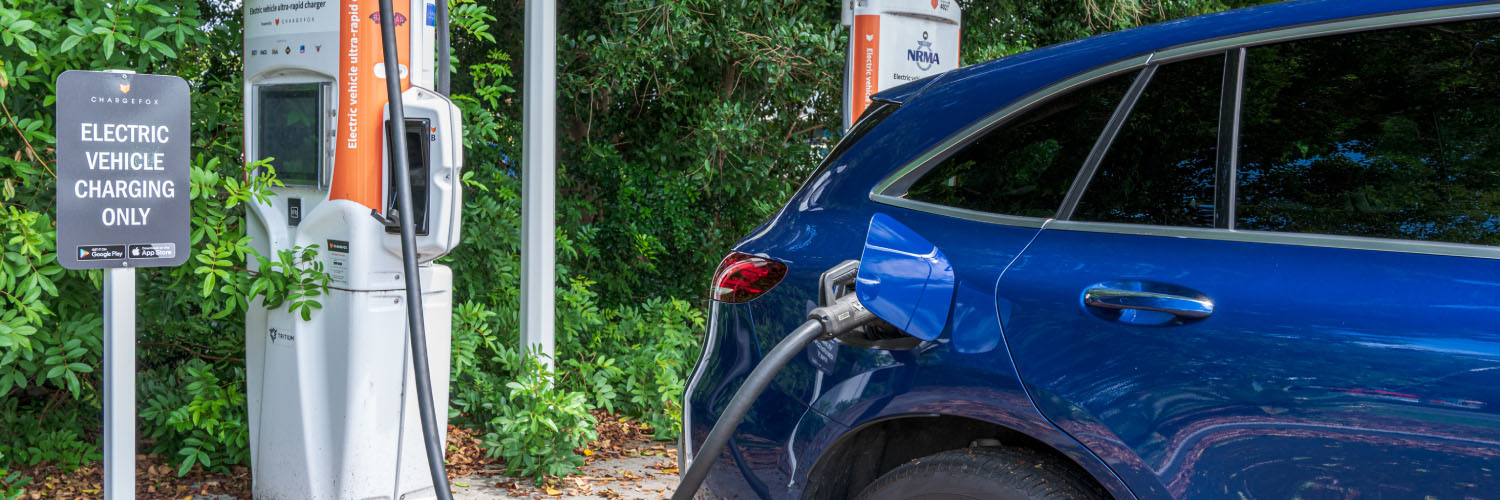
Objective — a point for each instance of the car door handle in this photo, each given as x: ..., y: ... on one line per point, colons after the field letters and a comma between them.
x: 1118, y: 296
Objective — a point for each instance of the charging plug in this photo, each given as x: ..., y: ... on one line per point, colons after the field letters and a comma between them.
x: 843, y: 316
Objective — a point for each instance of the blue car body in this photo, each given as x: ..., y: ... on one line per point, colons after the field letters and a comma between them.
x: 1330, y: 367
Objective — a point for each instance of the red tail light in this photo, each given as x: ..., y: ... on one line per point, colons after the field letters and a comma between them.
x: 743, y: 277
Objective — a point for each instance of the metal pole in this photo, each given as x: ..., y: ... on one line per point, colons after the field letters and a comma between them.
x: 119, y: 384
x: 444, y: 66
x: 539, y: 179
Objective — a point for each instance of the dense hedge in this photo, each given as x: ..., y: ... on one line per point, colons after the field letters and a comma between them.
x: 683, y: 123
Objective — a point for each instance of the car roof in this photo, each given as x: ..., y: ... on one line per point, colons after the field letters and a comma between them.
x: 1020, y: 73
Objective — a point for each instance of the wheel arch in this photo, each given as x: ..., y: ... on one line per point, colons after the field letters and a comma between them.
x: 861, y: 455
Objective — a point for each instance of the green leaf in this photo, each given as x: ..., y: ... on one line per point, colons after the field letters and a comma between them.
x: 26, y: 45
x: 187, y: 462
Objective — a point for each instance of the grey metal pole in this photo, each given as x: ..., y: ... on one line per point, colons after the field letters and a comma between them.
x: 539, y: 179
x: 119, y: 384
x: 444, y: 66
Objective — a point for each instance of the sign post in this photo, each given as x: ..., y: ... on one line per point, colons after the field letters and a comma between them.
x: 119, y: 383
x: 122, y: 203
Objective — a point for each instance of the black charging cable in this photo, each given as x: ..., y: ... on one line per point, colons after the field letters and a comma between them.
x: 395, y: 136
x: 827, y: 322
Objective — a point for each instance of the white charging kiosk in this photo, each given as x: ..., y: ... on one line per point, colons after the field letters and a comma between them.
x: 333, y: 411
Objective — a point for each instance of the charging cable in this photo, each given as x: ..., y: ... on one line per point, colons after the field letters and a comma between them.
x: 823, y: 323
x: 432, y: 436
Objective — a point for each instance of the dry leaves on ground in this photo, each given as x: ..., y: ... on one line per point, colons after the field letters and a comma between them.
x: 154, y: 479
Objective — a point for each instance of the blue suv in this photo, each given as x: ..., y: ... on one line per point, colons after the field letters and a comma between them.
x: 1246, y: 255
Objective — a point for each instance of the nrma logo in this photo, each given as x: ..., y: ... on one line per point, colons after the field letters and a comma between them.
x: 923, y: 55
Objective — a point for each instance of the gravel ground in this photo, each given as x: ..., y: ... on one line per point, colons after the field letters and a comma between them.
x: 638, y: 477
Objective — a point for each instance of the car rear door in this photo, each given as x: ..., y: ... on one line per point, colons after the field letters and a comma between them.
x: 1281, y: 279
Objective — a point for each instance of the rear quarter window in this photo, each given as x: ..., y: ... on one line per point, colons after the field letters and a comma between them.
x: 1025, y: 166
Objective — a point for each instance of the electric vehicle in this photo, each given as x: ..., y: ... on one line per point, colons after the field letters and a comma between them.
x: 1243, y: 255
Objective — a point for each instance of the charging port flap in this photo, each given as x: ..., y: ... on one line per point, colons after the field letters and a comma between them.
x: 904, y: 279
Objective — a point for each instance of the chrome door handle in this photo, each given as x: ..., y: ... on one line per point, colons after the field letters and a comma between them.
x: 1110, y: 296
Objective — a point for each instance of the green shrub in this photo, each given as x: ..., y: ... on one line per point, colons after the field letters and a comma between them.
x: 64, y: 447
x: 197, y: 414
x: 539, y: 425
x: 668, y: 335
x: 636, y: 359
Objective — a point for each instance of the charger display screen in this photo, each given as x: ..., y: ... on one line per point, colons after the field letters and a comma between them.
x: 290, y: 130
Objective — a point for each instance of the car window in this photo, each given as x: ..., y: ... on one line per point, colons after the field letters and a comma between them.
x: 1160, y: 168
x: 1025, y: 166
x: 1392, y: 134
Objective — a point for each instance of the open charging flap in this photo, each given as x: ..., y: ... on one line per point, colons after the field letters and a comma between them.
x: 905, y: 279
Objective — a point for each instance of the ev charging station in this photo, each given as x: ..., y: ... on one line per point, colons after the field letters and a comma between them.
x: 333, y: 400
x: 892, y: 42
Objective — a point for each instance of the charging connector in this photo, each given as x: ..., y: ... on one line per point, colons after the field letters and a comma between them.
x: 844, y: 316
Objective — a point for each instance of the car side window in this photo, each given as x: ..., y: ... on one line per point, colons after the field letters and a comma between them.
x: 1160, y: 168
x: 1390, y: 134
x: 1025, y: 166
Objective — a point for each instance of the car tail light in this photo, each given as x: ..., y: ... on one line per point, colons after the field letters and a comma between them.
x: 743, y: 277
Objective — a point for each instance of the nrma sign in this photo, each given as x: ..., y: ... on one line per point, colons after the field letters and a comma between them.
x: 923, y: 55
x: 893, y: 42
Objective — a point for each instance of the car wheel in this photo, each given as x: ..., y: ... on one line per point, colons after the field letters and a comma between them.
x: 984, y: 473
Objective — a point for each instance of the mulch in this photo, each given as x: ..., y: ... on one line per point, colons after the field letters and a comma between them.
x: 156, y: 478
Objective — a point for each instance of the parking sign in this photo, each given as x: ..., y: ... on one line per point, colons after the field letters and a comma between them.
x: 122, y: 170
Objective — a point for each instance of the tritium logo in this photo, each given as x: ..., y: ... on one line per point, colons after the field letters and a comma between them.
x: 923, y: 55
x: 280, y: 336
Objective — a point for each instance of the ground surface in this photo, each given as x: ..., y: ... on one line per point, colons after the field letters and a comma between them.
x: 624, y: 463
x: 638, y: 477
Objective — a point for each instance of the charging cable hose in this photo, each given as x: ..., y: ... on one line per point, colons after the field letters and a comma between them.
x: 395, y: 136
x: 825, y: 323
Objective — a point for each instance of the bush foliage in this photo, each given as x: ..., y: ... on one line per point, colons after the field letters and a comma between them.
x: 683, y: 123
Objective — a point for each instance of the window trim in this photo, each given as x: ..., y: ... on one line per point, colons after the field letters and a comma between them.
x: 899, y: 181
x: 1421, y: 247
x: 1227, y: 171
x: 1106, y: 137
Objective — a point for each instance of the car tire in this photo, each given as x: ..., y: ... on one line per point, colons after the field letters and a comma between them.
x: 984, y: 473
